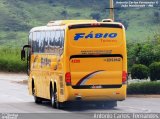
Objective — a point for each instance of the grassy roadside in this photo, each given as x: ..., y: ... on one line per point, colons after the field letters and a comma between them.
x: 10, y: 61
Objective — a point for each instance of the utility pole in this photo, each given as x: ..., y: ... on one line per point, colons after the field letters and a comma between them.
x: 111, y: 11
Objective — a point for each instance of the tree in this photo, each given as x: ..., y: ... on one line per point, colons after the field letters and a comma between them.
x: 139, y: 71
x: 155, y: 71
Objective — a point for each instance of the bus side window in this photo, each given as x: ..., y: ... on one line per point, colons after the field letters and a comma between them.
x: 46, y: 41
x: 56, y: 42
x: 30, y: 42
x: 30, y: 39
x: 34, y: 43
x: 61, y: 41
x: 52, y: 42
x: 42, y: 39
x: 39, y: 41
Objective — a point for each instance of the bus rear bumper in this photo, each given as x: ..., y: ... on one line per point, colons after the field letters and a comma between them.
x: 105, y: 94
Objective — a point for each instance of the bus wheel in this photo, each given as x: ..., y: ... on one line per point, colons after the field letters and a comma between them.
x: 36, y: 99
x: 107, y: 104
x: 54, y: 99
x: 110, y: 104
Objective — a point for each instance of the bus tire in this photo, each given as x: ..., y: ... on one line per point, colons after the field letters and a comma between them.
x: 37, y: 100
x: 110, y: 104
x: 107, y: 104
x: 54, y: 99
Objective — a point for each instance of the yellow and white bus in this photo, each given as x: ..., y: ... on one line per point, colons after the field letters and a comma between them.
x: 82, y: 60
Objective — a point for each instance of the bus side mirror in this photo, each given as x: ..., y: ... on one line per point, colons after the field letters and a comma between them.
x: 23, y: 55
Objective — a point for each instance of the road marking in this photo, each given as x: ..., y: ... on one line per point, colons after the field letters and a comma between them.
x: 139, y: 108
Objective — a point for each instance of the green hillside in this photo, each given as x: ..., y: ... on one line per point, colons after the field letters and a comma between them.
x: 18, y: 16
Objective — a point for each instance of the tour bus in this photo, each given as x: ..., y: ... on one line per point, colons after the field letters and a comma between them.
x: 77, y: 61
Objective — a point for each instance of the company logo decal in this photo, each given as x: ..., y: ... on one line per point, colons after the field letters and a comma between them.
x: 91, y: 35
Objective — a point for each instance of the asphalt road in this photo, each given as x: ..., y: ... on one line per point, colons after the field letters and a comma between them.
x: 14, y: 98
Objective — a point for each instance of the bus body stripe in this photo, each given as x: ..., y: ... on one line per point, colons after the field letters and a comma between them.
x: 87, y: 77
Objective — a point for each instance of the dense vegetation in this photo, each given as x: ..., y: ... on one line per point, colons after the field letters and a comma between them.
x: 10, y: 61
x: 155, y: 71
x: 18, y: 16
x: 144, y: 88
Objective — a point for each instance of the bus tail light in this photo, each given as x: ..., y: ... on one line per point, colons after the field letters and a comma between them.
x: 124, y: 77
x: 68, y: 78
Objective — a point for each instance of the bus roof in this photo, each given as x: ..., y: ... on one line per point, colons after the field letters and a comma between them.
x: 43, y: 28
x: 62, y: 24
